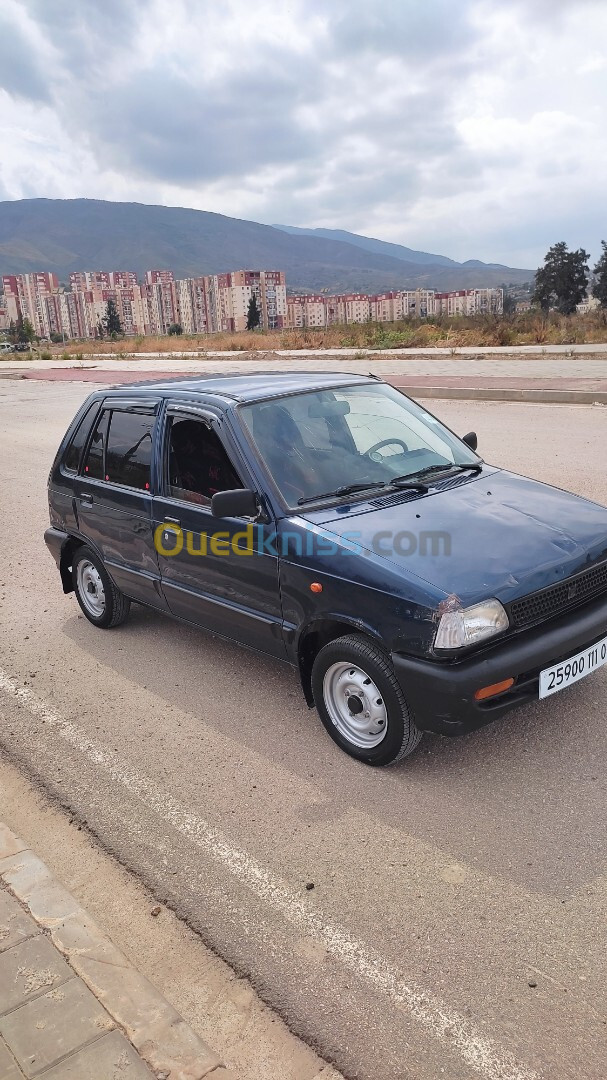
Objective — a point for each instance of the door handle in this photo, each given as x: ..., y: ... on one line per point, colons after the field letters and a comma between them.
x: 86, y: 500
x: 173, y: 521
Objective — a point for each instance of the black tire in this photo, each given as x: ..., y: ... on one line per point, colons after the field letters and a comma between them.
x: 115, y: 607
x: 401, y: 734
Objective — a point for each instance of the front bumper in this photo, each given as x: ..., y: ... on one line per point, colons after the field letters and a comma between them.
x: 441, y: 694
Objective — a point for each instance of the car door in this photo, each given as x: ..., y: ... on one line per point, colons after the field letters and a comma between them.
x: 113, y: 496
x: 221, y: 573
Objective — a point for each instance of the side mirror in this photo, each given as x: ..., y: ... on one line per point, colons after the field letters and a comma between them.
x: 242, y: 502
x: 471, y: 440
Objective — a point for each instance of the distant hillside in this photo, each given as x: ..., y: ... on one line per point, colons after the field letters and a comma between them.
x: 64, y: 235
x: 397, y: 251
x: 378, y: 247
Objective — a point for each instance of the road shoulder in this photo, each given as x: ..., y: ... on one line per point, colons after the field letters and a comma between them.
x: 70, y: 996
x: 208, y: 999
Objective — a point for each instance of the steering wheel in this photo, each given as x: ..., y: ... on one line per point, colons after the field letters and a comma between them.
x: 372, y: 451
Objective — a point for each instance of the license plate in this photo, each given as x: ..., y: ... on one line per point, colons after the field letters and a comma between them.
x: 577, y: 667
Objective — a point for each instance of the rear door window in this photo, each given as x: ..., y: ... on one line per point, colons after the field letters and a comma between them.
x: 129, y: 449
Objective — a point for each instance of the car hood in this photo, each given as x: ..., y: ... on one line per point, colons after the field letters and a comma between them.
x: 496, y: 534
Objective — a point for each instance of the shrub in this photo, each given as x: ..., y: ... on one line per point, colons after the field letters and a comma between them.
x: 540, y: 331
x: 520, y: 328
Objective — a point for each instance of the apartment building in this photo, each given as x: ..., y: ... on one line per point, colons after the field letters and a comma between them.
x: 103, y: 279
x: 469, y: 302
x: 348, y: 308
x: 273, y: 293
x: 418, y: 303
x: 306, y: 311
x: 26, y: 297
x: 212, y: 303
x: 589, y: 303
x: 387, y: 307
x: 159, y: 277
x: 229, y: 296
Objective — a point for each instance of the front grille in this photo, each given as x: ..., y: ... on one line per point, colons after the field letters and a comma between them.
x: 539, y: 606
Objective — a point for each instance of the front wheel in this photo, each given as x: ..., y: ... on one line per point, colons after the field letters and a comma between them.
x: 360, y: 702
x: 102, y: 603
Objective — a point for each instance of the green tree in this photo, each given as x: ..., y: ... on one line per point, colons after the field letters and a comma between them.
x: 563, y: 279
x: 599, y: 285
x: 112, y: 318
x: 253, y: 316
x: 22, y: 331
x: 175, y: 329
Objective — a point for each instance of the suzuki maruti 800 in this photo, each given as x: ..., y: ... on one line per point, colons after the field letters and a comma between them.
x: 332, y: 522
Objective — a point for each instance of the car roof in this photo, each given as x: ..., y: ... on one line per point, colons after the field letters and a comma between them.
x: 237, y: 387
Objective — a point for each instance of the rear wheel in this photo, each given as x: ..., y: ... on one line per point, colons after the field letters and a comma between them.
x: 360, y: 701
x: 102, y: 603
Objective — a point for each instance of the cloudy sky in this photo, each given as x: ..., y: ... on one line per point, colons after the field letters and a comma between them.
x: 473, y: 128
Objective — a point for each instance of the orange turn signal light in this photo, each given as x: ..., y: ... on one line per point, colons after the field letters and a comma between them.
x: 495, y: 688
x: 316, y: 586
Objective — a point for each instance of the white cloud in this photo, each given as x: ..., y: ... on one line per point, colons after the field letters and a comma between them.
x: 478, y: 136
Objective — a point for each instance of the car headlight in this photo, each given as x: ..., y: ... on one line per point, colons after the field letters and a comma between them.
x: 469, y: 625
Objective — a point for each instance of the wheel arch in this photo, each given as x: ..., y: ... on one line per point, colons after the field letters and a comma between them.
x: 68, y: 551
x: 318, y: 633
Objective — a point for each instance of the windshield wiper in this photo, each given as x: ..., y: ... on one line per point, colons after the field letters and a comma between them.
x: 476, y: 466
x: 407, y: 482
x: 345, y: 489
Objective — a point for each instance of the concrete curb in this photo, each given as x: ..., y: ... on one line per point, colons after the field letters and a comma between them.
x: 547, y: 350
x: 161, y: 1037
x: 486, y: 393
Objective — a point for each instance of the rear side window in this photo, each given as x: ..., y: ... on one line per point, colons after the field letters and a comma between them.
x: 129, y: 449
x: 73, y: 454
x: 94, y: 461
x: 120, y: 450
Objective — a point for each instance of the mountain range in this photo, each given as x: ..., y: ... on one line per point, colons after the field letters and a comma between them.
x: 65, y: 235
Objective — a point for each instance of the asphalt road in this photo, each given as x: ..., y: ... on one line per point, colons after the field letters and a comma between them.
x: 456, y: 924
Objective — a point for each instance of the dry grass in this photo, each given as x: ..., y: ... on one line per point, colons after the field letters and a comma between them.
x: 527, y: 328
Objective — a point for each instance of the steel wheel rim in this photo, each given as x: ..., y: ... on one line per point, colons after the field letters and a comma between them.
x: 355, y: 705
x: 90, y: 588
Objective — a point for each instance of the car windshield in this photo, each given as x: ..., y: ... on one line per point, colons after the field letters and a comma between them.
x: 316, y: 443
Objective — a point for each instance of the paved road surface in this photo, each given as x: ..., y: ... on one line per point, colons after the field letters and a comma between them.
x: 455, y: 927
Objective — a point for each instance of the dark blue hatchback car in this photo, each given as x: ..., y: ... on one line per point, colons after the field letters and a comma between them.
x: 332, y: 522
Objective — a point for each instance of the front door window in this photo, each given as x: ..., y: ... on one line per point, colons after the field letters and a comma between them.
x: 216, y: 572
x: 198, y: 464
